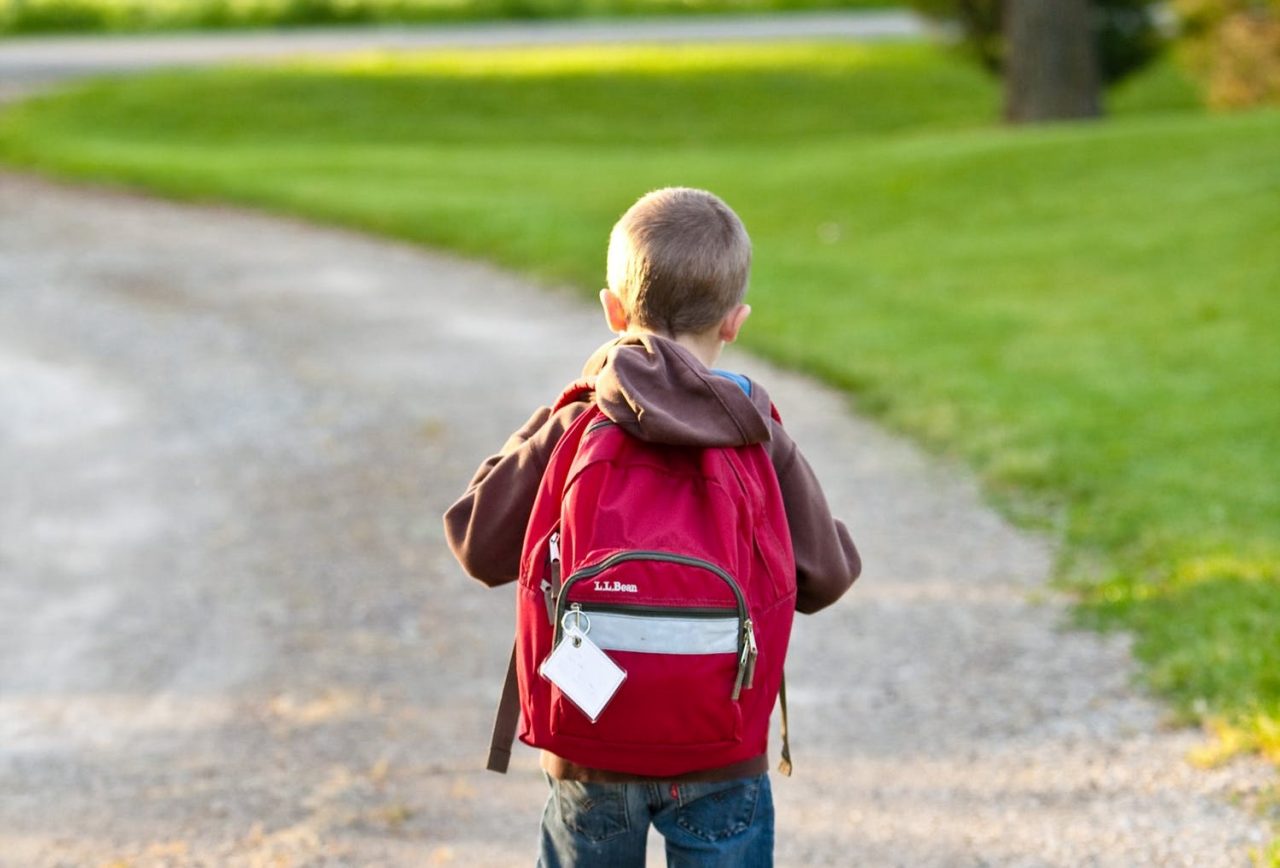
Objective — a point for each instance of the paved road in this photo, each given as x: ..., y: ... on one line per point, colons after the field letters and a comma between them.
x: 30, y: 61
x: 230, y: 633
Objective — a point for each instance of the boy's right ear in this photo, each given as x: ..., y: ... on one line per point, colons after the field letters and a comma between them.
x: 614, y: 313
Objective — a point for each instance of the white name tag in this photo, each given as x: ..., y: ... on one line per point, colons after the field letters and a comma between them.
x: 583, y: 672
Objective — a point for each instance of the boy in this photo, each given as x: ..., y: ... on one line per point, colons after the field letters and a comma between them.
x: 678, y: 263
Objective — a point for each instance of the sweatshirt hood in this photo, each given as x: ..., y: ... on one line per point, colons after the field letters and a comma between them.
x: 660, y: 392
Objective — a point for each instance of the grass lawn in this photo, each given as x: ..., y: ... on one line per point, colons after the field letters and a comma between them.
x: 1088, y: 314
x: 46, y: 16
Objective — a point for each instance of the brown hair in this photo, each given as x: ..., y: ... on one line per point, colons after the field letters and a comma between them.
x: 678, y: 260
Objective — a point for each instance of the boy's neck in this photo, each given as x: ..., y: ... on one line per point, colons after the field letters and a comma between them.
x: 705, y: 348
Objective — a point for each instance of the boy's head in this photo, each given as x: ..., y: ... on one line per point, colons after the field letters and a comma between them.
x: 678, y: 265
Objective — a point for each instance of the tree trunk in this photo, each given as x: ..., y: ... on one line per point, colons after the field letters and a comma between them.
x: 1051, y: 70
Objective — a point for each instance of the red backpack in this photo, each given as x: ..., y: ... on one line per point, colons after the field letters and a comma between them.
x: 678, y: 560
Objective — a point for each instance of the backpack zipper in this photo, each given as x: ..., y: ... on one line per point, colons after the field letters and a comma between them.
x: 660, y: 611
x: 746, y: 641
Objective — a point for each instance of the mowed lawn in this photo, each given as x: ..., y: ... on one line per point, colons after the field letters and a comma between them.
x: 1088, y: 314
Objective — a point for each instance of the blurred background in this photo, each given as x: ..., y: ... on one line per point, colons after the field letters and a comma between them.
x: 1039, y: 240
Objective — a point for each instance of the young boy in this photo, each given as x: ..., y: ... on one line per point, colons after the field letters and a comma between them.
x: 678, y: 264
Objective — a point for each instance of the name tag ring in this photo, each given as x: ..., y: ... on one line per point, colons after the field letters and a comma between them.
x: 579, y: 627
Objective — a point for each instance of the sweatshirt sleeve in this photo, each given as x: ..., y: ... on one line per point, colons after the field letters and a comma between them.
x: 827, y: 562
x: 485, y: 527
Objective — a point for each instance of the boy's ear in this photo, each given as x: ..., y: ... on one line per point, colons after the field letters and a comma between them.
x: 614, y: 313
x: 733, y: 322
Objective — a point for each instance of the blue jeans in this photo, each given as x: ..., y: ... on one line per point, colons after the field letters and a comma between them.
x: 726, y: 823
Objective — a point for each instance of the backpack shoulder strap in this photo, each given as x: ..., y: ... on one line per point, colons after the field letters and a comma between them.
x: 579, y: 390
x: 505, y: 721
x: 785, y: 765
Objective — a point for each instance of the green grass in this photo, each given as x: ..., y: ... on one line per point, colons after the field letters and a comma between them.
x: 51, y: 16
x: 1085, y: 313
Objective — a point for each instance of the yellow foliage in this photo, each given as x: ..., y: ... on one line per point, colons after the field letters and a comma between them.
x: 1258, y: 733
x: 1226, y: 742
x: 1233, y: 46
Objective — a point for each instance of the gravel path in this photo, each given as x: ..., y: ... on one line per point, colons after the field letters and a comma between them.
x: 230, y: 633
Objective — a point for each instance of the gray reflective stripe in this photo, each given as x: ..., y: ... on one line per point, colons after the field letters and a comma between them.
x: 613, y: 631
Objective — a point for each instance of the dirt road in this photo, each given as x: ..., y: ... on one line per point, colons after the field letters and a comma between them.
x: 230, y: 633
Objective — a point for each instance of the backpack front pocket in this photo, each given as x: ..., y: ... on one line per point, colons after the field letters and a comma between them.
x: 681, y: 668
x: 686, y: 664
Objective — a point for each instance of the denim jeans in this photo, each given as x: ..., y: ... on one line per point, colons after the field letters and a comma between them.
x: 726, y: 823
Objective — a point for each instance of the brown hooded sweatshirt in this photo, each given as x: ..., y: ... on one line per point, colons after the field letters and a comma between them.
x: 658, y: 391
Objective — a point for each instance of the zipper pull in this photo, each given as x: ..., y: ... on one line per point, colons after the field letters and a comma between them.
x: 742, y: 673
x: 550, y: 600
x: 747, y: 661
x: 551, y: 587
